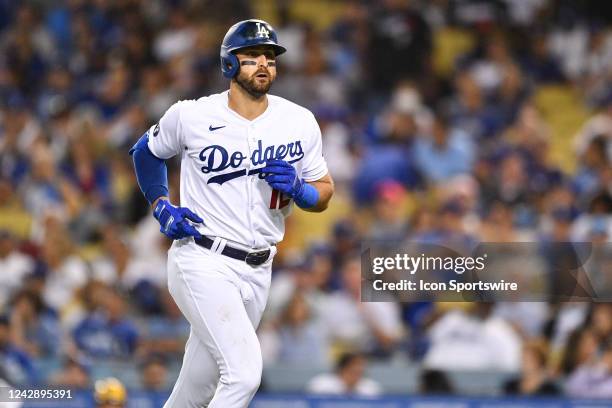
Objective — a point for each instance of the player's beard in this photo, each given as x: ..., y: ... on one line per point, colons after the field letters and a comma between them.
x: 252, y: 86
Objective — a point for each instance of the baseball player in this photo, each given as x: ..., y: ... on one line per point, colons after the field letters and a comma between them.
x: 246, y: 158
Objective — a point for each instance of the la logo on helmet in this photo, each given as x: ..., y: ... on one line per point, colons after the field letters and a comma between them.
x: 262, y: 31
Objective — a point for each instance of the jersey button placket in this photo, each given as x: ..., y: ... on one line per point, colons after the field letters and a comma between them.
x: 250, y: 206
x: 252, y: 146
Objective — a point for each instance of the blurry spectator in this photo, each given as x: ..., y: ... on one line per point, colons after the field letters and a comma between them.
x: 167, y: 333
x: 511, y: 92
x: 111, y: 91
x: 345, y: 240
x: 348, y: 379
x: 445, y: 153
x: 154, y: 374
x: 468, y: 111
x: 34, y: 327
x: 45, y: 191
x: 529, y: 137
x: 313, y: 85
x: 435, y: 382
x: 301, y: 337
x: 390, y: 136
x: 309, y: 275
x: 567, y: 317
x: 177, y: 38
x: 365, y: 326
x: 389, y: 212
x: 14, y: 266
x: 596, y: 220
x: 593, y: 379
x: 66, y: 272
x: 598, y: 126
x: 16, y: 364
x: 528, y: 318
x: 72, y: 375
x: 107, y: 332
x: 541, y: 64
x: 399, y: 44
x: 143, y: 277
x: 54, y: 99
x: 293, y: 276
x: 338, y: 142
x: 600, y: 320
x: 595, y: 159
x: 580, y: 349
x: 13, y: 216
x: 495, y: 55
x: 156, y: 98
x: 567, y: 41
x: 382, y: 163
x: 91, y: 178
x: 407, y: 100
x: 497, y: 226
x: 508, y: 183
x: 20, y: 131
x: 449, y: 228
x: 130, y: 121
x: 473, y: 340
x: 559, y: 228
x: 534, y: 378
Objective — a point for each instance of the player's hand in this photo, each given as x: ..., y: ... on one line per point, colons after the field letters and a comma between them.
x: 174, y: 221
x: 281, y: 176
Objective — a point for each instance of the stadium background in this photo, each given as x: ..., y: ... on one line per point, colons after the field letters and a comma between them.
x: 462, y: 119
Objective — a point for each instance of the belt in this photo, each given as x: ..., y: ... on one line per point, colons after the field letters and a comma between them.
x: 252, y: 258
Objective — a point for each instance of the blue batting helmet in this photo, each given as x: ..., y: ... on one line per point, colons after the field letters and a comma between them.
x: 244, y: 34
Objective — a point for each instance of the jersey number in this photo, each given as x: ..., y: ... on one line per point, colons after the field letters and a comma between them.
x: 277, y: 201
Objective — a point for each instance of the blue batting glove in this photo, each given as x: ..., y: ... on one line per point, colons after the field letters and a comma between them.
x: 281, y: 176
x: 174, y: 221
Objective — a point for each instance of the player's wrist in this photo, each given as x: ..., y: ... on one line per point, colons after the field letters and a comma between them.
x: 297, y: 188
x: 155, y: 203
x: 307, y: 196
x: 156, y: 192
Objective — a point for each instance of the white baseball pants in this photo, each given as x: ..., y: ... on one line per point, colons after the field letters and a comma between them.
x: 223, y: 299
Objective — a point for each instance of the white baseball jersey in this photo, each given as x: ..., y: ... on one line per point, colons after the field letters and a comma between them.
x: 222, y: 154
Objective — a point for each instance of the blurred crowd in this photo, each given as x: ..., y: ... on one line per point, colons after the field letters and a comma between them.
x: 422, y: 151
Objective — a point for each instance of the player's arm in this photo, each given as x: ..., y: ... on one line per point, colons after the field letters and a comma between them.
x: 312, y: 195
x: 149, y: 154
x: 152, y: 177
x: 151, y: 171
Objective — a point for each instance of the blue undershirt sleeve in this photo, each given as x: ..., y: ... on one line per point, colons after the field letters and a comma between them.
x: 151, y: 171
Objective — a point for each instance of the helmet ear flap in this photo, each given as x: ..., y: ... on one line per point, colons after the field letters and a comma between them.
x: 234, y: 65
x: 229, y: 65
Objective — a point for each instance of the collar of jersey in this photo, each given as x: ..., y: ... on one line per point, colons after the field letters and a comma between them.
x: 242, y: 118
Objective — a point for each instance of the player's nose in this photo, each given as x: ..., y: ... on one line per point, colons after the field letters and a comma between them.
x: 262, y: 61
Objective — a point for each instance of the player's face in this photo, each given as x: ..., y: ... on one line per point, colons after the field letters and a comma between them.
x: 257, y: 70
